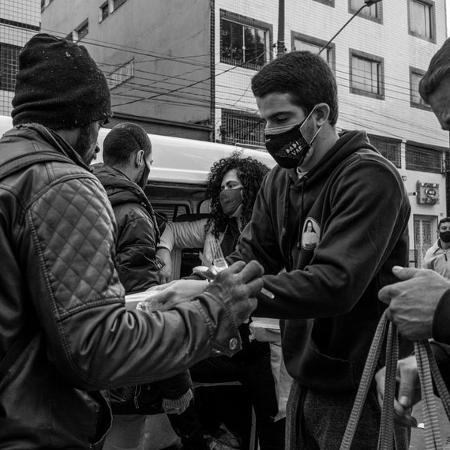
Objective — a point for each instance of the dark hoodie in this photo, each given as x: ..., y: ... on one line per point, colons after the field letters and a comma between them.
x: 337, y: 232
x: 137, y: 233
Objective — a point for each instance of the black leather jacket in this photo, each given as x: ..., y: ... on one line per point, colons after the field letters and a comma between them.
x: 137, y: 230
x: 59, y: 286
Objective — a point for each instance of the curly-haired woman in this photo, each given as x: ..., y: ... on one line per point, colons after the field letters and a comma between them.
x: 232, y: 187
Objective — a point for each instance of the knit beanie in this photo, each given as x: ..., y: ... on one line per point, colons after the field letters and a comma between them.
x: 59, y: 85
x: 438, y: 69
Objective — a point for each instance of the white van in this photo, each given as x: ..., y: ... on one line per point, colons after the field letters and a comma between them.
x: 179, y: 173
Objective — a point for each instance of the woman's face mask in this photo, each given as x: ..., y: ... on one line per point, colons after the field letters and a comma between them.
x: 230, y: 201
x: 287, y: 144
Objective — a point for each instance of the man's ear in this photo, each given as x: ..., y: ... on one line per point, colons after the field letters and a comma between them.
x: 321, y: 113
x: 139, y: 158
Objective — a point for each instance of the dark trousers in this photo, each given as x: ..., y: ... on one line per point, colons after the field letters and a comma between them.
x: 317, y: 421
x: 253, y: 370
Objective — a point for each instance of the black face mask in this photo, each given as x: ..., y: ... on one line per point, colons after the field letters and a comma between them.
x: 288, y: 147
x: 230, y: 200
x: 444, y: 236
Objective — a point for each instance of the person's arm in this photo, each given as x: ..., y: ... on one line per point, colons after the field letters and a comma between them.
x: 259, y: 239
x: 179, y: 235
x: 91, y: 337
x: 136, y: 259
x: 368, y: 217
x: 183, y: 235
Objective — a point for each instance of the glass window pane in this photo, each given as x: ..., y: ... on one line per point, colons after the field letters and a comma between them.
x: 236, y: 42
x: 313, y: 48
x: 366, y: 75
x: 420, y: 18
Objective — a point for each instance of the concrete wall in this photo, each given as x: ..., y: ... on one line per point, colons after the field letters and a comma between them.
x: 169, y: 43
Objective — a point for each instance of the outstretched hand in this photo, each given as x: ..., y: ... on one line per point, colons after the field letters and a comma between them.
x: 413, y: 301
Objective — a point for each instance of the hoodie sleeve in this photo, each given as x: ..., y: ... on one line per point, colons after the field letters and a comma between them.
x: 369, y: 214
x: 258, y: 240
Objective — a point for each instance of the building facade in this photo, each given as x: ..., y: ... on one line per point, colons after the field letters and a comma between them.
x: 378, y: 60
x: 155, y: 55
x: 19, y: 21
x: 184, y: 68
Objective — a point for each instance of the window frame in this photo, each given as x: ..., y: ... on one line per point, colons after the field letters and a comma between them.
x: 397, y: 161
x: 246, y: 21
x: 411, y: 145
x: 413, y: 104
x: 9, y: 85
x: 363, y: 15
x: 100, y: 11
x: 431, y: 5
x: 84, y: 24
x: 331, y: 48
x: 237, y: 114
x: 373, y: 58
x: 326, y: 2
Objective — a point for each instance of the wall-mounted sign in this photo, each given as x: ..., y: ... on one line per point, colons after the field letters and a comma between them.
x: 427, y: 193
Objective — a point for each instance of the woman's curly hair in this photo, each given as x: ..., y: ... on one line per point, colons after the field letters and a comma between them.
x: 250, y: 172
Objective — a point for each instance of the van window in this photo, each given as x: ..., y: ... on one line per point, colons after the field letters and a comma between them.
x: 171, y: 210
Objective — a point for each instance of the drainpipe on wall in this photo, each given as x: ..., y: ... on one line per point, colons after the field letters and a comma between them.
x: 212, y: 63
x: 280, y: 42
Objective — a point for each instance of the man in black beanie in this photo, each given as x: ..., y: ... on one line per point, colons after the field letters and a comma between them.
x: 64, y: 331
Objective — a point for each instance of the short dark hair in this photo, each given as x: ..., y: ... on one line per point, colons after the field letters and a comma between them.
x: 445, y: 219
x: 124, y: 140
x: 304, y: 75
x: 438, y: 69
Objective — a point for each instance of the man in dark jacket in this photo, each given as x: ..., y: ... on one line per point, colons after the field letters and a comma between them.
x: 127, y: 156
x: 420, y: 301
x: 333, y: 213
x: 64, y: 331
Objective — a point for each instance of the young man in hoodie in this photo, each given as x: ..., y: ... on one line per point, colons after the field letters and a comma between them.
x: 333, y: 213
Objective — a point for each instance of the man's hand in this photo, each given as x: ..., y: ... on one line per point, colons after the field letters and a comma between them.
x: 237, y: 287
x: 408, y: 392
x: 165, y: 274
x: 414, y: 300
x: 166, y: 296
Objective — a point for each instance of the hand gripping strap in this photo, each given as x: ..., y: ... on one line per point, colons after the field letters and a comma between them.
x: 428, y: 371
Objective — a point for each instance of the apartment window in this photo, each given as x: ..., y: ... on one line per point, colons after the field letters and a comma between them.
x: 304, y: 42
x: 389, y: 148
x: 44, y: 4
x: 421, y: 19
x: 415, y: 75
x: 374, y: 12
x: 366, y: 74
x: 242, y: 128
x: 81, y: 31
x: 326, y: 2
x: 118, y: 4
x: 104, y: 12
x: 9, y: 64
x: 244, y: 41
x: 423, y: 158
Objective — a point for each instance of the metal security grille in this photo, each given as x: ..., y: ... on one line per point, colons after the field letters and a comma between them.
x: 389, y: 149
x: 9, y: 64
x: 242, y: 128
x: 423, y: 159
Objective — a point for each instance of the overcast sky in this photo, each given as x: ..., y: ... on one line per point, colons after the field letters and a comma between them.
x: 447, y: 4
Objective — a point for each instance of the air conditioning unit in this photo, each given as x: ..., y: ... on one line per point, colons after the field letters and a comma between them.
x: 427, y: 193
